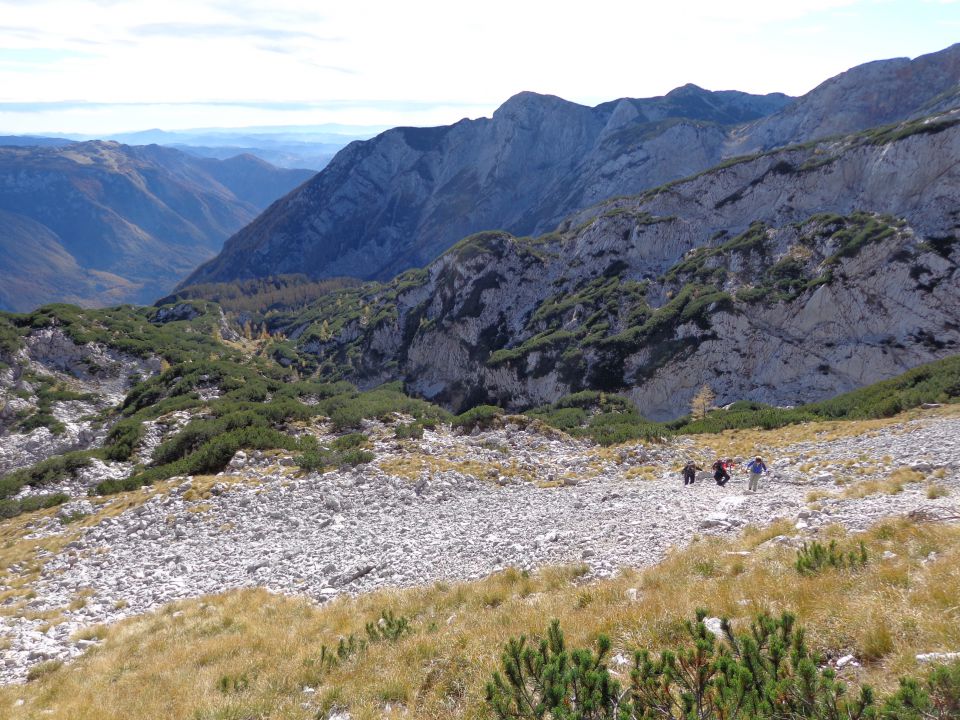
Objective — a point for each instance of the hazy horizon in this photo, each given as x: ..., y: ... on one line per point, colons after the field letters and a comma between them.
x: 102, y: 67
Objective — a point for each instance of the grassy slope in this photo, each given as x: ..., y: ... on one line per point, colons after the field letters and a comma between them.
x: 249, y: 654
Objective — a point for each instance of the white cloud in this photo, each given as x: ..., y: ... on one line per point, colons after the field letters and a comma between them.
x: 444, y: 54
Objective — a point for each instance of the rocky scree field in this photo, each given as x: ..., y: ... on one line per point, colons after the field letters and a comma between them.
x: 256, y: 652
x: 355, y: 492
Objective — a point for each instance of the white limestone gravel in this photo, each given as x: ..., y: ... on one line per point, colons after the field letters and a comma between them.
x: 354, y: 531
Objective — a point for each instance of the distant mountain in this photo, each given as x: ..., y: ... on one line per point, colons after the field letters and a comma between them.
x: 311, y: 156
x: 99, y: 222
x: 310, y: 147
x: 33, y: 141
x: 398, y: 200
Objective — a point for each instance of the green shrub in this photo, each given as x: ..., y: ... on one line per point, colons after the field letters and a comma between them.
x: 348, y: 410
x: 314, y: 459
x: 561, y: 418
x: 354, y: 457
x: 348, y: 442
x: 617, y: 421
x: 766, y: 673
x: 10, y: 508
x: 408, y: 431
x: 46, y: 472
x: 936, y: 699
x: 10, y: 338
x: 123, y: 439
x: 815, y: 557
x: 41, y: 419
x: 388, y: 628
x: 209, y: 456
x: 482, y: 416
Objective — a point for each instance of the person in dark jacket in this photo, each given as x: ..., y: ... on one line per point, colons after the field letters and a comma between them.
x: 690, y: 473
x: 720, y: 473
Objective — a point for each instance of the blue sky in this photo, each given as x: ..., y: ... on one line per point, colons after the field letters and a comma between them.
x: 115, y: 65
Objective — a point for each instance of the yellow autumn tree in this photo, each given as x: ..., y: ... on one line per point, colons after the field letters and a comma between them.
x: 325, y: 333
x: 702, y: 402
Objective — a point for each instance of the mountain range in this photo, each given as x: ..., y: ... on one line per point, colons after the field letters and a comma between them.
x: 400, y: 199
x: 97, y: 223
x: 779, y: 249
x: 783, y: 277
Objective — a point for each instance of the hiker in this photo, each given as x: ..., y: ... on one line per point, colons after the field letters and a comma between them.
x: 720, y: 473
x: 756, y: 468
x: 690, y: 473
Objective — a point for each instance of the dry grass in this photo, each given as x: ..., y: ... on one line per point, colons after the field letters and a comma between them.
x: 891, y: 485
x: 412, y: 465
x: 249, y: 654
x: 743, y: 443
x: 641, y: 472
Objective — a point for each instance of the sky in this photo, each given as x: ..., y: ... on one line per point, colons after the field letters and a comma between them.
x: 108, y: 66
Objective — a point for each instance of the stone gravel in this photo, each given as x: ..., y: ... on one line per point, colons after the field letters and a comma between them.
x: 322, y: 535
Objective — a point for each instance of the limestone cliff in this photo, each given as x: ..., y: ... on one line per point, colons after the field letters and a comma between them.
x: 786, y: 277
x: 399, y: 200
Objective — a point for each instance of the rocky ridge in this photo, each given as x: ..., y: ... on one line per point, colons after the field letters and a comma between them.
x: 782, y: 278
x: 100, y: 373
x: 400, y: 199
x: 446, y: 507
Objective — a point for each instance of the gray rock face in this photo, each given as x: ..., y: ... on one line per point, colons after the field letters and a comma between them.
x: 400, y: 199
x: 875, y: 93
x: 657, y: 294
x: 101, y: 373
x: 397, y: 201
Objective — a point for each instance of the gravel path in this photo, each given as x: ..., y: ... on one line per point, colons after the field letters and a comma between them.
x: 351, y: 532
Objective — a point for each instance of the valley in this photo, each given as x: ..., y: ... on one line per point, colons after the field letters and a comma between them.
x: 99, y: 223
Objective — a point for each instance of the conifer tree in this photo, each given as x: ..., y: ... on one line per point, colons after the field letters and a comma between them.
x: 702, y: 402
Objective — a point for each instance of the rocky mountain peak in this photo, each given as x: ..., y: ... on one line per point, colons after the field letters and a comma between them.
x: 399, y: 200
x: 527, y: 102
x: 875, y: 93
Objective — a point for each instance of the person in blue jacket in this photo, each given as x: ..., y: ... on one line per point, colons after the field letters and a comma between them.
x: 756, y: 468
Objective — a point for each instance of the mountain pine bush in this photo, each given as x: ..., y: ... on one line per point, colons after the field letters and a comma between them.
x: 482, y: 416
x: 766, y: 673
x: 816, y: 556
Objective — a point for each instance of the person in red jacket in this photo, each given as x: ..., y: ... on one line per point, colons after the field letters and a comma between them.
x: 720, y: 473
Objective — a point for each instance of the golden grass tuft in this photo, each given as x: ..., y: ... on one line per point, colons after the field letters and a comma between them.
x: 250, y: 653
x: 411, y: 465
x: 746, y: 442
